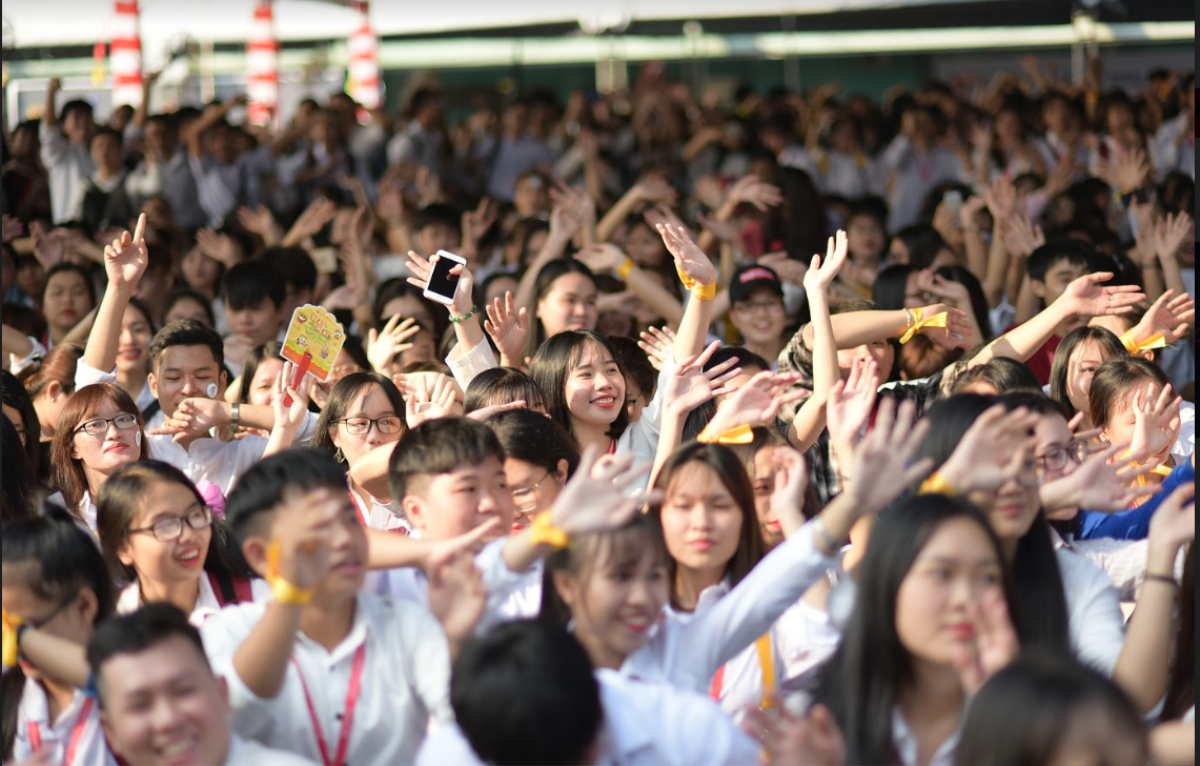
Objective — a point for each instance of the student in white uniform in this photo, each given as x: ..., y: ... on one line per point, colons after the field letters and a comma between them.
x: 159, y: 536
x: 527, y: 693
x: 161, y: 704
x: 325, y: 670
x: 612, y: 587
x: 55, y: 585
x: 99, y: 431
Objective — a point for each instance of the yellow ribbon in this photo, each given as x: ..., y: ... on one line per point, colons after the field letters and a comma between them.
x: 699, y: 292
x: 285, y: 592
x: 936, y: 485
x: 937, y: 320
x: 625, y: 269
x: 1134, y: 347
x: 738, y: 435
x: 9, y: 652
x: 543, y: 532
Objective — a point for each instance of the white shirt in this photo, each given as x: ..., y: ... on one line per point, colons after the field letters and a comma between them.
x: 68, y: 165
x: 207, y: 603
x: 86, y: 509
x: 382, y: 516
x: 1168, y: 156
x: 913, y: 176
x: 907, y: 746
x: 34, y: 714
x: 644, y: 725
x: 245, y: 752
x: 1185, y: 443
x: 1094, y: 609
x: 685, y: 650
x: 405, y: 682
x: 465, y: 365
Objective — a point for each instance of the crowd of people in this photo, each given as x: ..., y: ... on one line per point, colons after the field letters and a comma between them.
x: 792, y: 428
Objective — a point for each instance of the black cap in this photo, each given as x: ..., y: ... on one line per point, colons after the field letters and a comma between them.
x: 751, y: 276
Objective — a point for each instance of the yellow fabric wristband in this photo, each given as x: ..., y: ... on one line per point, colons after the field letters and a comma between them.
x: 543, y: 532
x: 626, y: 268
x: 738, y: 435
x: 11, y: 623
x: 704, y: 292
x: 920, y: 323
x: 284, y: 591
x: 687, y: 281
x: 1133, y: 347
x: 936, y: 485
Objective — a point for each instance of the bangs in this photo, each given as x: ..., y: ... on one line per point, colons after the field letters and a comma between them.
x: 626, y: 546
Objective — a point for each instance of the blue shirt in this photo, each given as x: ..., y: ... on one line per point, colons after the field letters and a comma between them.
x: 1133, y: 524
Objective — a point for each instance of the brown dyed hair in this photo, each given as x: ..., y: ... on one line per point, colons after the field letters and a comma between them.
x: 57, y: 365
x: 1116, y: 382
x: 67, y: 472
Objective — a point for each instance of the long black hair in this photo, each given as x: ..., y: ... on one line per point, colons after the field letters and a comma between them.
x: 549, y: 274
x: 864, y: 679
x: 1040, y: 603
x: 15, y: 396
x: 552, y: 366
x: 67, y: 562
x: 18, y: 479
x: 1110, y: 348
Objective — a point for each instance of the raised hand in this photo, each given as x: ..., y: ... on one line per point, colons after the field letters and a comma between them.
x: 820, y: 275
x: 1021, y: 237
x: 601, y: 257
x: 301, y: 548
x: 320, y: 212
x: 689, y: 258
x: 290, y: 417
x: 994, y: 449
x: 390, y: 203
x: 484, y: 413
x: 751, y: 190
x: 851, y: 401
x: 655, y: 191
x: 457, y: 595
x: 789, y: 269
x: 422, y: 269
x: 993, y: 645
x: 689, y: 385
x: 1174, y: 523
x: 658, y: 343
x: 1101, y: 483
x: 508, y: 326
x: 569, y: 214
x: 1086, y: 298
x: 1156, y: 423
x: 959, y: 331
x: 260, y: 221
x: 883, y: 466
x: 1168, y: 316
x: 425, y: 400
x: 791, y: 480
x: 593, y: 500
x: 12, y: 228
x: 1001, y: 200
x: 757, y: 401
x: 48, y: 246
x: 787, y: 738
x: 1171, y: 232
x: 222, y: 248
x: 384, y: 345
x: 126, y: 258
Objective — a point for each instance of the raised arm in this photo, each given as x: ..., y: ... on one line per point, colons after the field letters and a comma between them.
x: 700, y: 276
x: 125, y: 261
x: 607, y: 257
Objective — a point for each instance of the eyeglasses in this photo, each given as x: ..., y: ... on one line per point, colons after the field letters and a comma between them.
x: 171, y: 529
x: 1056, y: 459
x: 99, y: 426
x: 525, y: 498
x: 359, y: 426
x: 39, y: 624
x: 770, y: 307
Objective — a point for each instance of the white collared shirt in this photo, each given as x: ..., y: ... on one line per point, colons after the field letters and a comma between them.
x: 644, y: 725
x: 245, y: 752
x: 686, y: 650
x: 207, y: 603
x: 86, y: 509
x: 1097, y: 624
x: 405, y: 682
x: 34, y: 714
x: 67, y: 164
x: 381, y: 516
x: 908, y: 748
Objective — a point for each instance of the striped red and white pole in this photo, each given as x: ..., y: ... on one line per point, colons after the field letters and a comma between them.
x: 365, y: 83
x: 262, y: 66
x: 125, y: 55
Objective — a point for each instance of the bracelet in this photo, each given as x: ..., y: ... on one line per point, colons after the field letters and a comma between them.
x: 284, y: 591
x: 236, y: 418
x: 936, y: 485
x: 464, y: 317
x: 626, y: 268
x: 910, y: 318
x: 1160, y: 578
x: 543, y: 532
x: 822, y: 533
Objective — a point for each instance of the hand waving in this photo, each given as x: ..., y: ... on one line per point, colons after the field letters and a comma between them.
x: 1085, y: 297
x: 508, y: 327
x: 126, y: 258
x: 1156, y: 424
x: 425, y: 400
x: 820, y: 275
x: 384, y: 345
x: 689, y: 258
x: 851, y: 401
x: 593, y: 500
x: 883, y: 465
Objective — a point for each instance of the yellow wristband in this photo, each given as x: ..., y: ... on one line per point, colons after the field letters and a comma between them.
x: 737, y: 435
x: 626, y: 268
x: 687, y: 281
x: 543, y: 532
x: 12, y: 623
x: 1134, y: 347
x: 704, y: 292
x: 284, y: 591
x: 936, y: 485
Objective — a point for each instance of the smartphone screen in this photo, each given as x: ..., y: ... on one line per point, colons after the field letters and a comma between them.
x: 441, y: 281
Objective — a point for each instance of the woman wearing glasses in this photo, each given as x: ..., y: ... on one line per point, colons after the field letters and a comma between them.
x: 364, y: 411
x: 160, y: 539
x: 541, y: 457
x: 99, y: 431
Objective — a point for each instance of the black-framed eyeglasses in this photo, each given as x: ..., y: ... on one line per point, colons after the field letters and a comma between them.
x: 388, y: 425
x: 1056, y: 459
x: 99, y: 426
x: 525, y: 498
x: 171, y: 529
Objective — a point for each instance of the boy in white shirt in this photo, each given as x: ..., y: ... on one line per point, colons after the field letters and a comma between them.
x: 65, y: 136
x: 527, y: 693
x: 324, y: 670
x: 160, y: 703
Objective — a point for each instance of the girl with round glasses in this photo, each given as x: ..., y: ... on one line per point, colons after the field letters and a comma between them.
x: 540, y: 458
x: 99, y: 431
x: 161, y: 542
x: 364, y: 411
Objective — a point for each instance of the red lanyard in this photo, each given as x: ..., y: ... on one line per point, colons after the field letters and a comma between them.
x: 35, y: 733
x: 612, y: 446
x: 362, y: 512
x: 360, y: 659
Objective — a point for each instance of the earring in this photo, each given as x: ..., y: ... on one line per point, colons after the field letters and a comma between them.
x: 338, y: 456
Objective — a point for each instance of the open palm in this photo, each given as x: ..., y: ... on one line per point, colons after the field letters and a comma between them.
x: 125, y: 259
